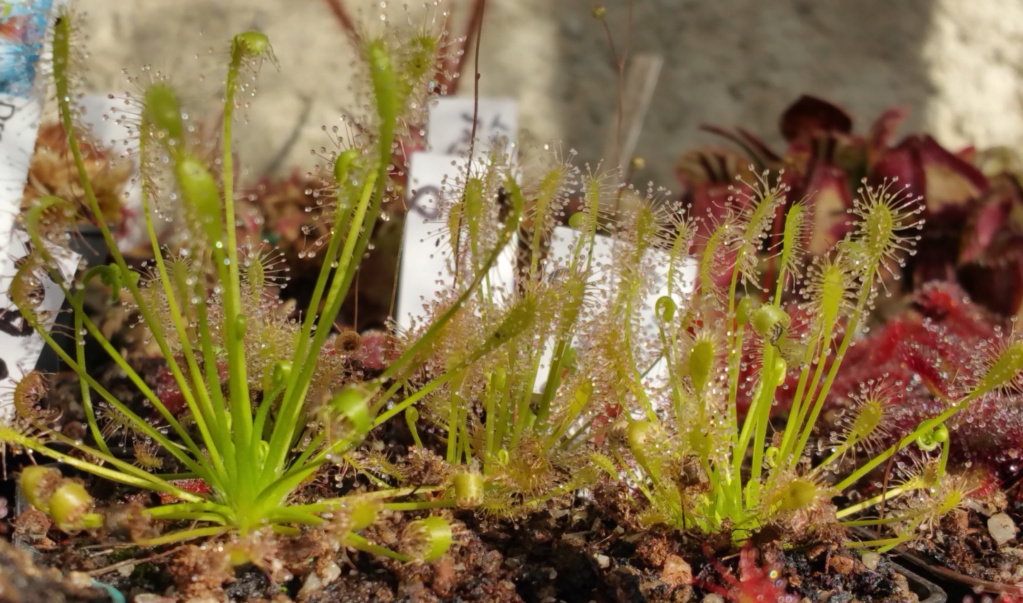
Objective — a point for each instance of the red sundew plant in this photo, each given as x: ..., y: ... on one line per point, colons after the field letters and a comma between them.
x: 973, y: 201
x: 755, y: 582
x: 920, y: 354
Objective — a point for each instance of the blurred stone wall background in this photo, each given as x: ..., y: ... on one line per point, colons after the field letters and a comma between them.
x: 955, y: 63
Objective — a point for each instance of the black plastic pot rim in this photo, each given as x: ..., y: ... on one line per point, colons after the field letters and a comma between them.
x: 977, y: 585
x: 928, y: 591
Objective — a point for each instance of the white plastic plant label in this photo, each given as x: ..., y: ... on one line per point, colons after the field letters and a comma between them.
x: 657, y: 376
x: 562, y: 245
x: 100, y: 114
x: 563, y: 242
x: 451, y: 124
x: 24, y: 25
x: 426, y: 247
x: 427, y: 250
x: 20, y: 344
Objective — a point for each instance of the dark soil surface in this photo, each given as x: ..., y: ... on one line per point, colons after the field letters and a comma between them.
x: 962, y: 550
x: 21, y: 581
x: 576, y: 553
x: 581, y: 550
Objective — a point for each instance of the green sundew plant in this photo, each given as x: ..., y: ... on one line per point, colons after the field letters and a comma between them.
x: 519, y: 426
x: 265, y: 410
x: 700, y: 464
x: 531, y: 389
x: 503, y: 443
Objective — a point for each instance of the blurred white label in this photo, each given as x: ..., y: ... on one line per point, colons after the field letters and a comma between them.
x: 427, y: 250
x: 103, y: 116
x: 450, y: 128
x: 559, y: 260
x: 656, y: 377
x: 24, y: 25
x: 19, y: 126
x: 563, y: 243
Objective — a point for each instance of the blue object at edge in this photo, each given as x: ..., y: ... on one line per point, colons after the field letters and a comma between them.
x: 115, y: 595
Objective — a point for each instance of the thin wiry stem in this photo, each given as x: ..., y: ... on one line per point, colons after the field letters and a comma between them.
x: 337, y: 8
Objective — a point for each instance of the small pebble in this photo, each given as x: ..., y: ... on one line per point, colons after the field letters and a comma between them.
x: 330, y: 573
x: 603, y: 561
x: 871, y: 559
x: 79, y: 579
x: 1013, y: 552
x: 312, y: 585
x: 1001, y: 528
x: 842, y: 565
x: 676, y: 572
